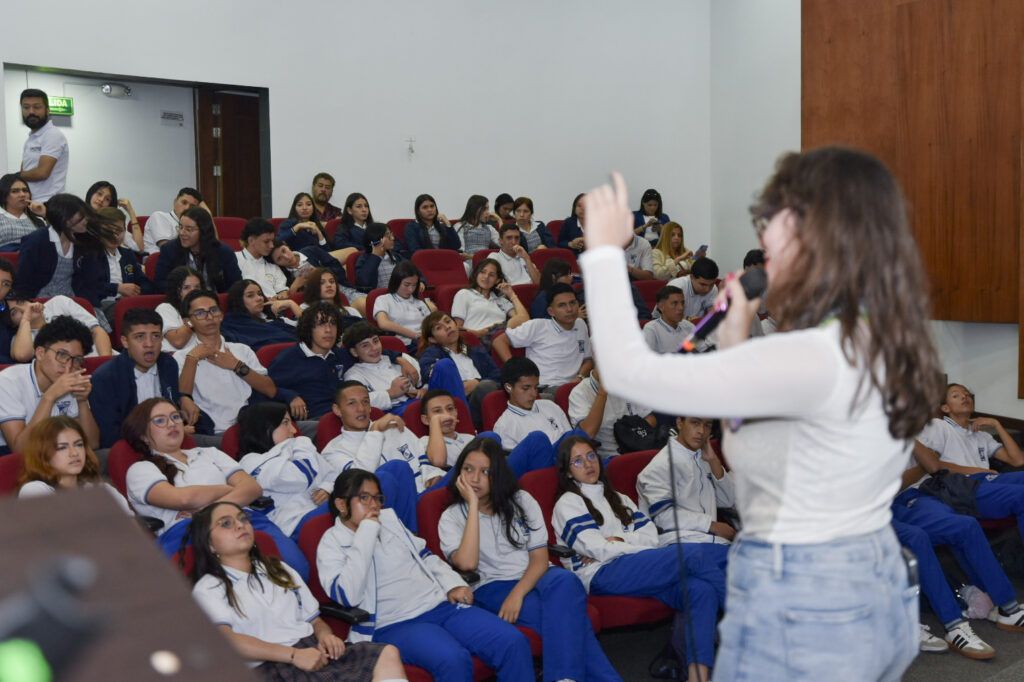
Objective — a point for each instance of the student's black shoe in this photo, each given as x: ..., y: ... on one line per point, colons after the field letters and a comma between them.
x: 666, y: 666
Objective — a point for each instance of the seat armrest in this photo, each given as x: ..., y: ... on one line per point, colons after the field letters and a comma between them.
x: 346, y: 614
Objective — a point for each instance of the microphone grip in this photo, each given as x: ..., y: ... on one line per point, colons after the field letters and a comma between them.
x: 754, y: 281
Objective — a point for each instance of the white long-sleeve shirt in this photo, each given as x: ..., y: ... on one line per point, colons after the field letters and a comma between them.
x: 289, y: 473
x: 698, y: 494
x: 816, y: 465
x: 367, y: 450
x: 574, y: 526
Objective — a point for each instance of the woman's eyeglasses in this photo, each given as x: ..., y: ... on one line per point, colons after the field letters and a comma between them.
x: 579, y: 461
x: 165, y: 420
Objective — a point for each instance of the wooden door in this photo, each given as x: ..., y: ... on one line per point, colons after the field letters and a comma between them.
x: 228, y: 151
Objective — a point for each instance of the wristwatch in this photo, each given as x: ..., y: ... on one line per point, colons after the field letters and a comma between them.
x: 241, y: 369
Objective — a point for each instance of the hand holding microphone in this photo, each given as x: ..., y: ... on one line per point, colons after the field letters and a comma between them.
x: 733, y: 311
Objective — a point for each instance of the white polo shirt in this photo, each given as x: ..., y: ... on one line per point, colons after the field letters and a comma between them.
x: 270, y: 277
x: 220, y: 392
x: 557, y: 352
x: 513, y: 268
x: 408, y: 312
x: 477, y: 312
x: 453, y: 445
x: 147, y: 384
x: 499, y: 558
x: 20, y: 395
x: 516, y: 423
x: 41, y: 489
x: 47, y: 141
x: 62, y: 305
x: 160, y: 226
x: 377, y: 378
x: 958, y: 445
x: 172, y: 320
x: 272, y: 613
x: 662, y: 338
x: 582, y: 398
x: 695, y: 305
x: 638, y: 254
x: 204, y: 466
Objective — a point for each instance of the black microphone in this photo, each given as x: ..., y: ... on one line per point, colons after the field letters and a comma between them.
x: 754, y: 281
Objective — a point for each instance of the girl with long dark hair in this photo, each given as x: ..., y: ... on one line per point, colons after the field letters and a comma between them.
x: 355, y: 218
x: 302, y: 228
x: 496, y: 529
x: 487, y: 304
x: 381, y: 257
x: 571, y: 234
x: 430, y: 229
x: 197, y: 246
x: 833, y: 400
x: 534, y: 233
x: 323, y: 285
x: 266, y: 610
x: 475, y: 232
x: 402, y: 310
x: 103, y: 194
x: 181, y: 282
x: 253, y: 320
x: 617, y: 552
x: 16, y: 216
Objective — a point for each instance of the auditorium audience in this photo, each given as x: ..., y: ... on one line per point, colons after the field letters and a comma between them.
x: 323, y: 285
x: 670, y: 257
x: 267, y: 611
x: 103, y: 194
x: 126, y: 277
x: 401, y: 311
x: 498, y: 530
x: 57, y: 457
x: 17, y: 218
x: 323, y: 190
x: 699, y: 289
x: 555, y: 271
x: 515, y: 261
x: 374, y: 266
x: 443, y: 442
x: 181, y: 282
x: 560, y: 346
x: 648, y: 220
x: 532, y: 233
x: 197, y: 246
x: 474, y: 231
x: 162, y: 226
x: 503, y: 206
x: 420, y: 604
x: 639, y: 261
x: 595, y: 412
x: 138, y: 373
x: 53, y: 384
x: 430, y: 229
x: 254, y: 321
x: 526, y: 412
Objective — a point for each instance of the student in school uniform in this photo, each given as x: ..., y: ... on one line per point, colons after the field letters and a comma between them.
x: 415, y: 600
x: 617, y: 552
x: 533, y: 234
x: 702, y: 486
x: 181, y: 282
x: 197, y: 246
x: 390, y: 388
x: 267, y: 611
x: 57, y: 457
x: 140, y: 372
x: 526, y: 412
x: 430, y: 229
x: 647, y: 221
x: 475, y: 231
x: 323, y: 284
x: 666, y: 333
x: 383, y: 446
x: 254, y: 259
x: 285, y: 464
x: 28, y: 317
x: 381, y: 257
x: 699, y: 289
x: 496, y: 529
x: 560, y: 346
x: 593, y: 411
x: 571, y: 234
x: 448, y: 362
x: 302, y: 228
x: 487, y: 305
x: 256, y: 321
x: 162, y: 226
x: 401, y: 311
x: 351, y: 233
x: 170, y: 483
x: 515, y: 261
x: 53, y: 384
x: 127, y: 277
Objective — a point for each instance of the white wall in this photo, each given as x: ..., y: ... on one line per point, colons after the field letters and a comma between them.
x: 123, y: 141
x: 984, y: 357
x: 543, y: 106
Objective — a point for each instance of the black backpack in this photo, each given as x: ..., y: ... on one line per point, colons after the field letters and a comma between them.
x: 633, y: 433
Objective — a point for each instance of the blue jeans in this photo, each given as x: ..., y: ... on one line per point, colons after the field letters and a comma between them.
x: 838, y: 611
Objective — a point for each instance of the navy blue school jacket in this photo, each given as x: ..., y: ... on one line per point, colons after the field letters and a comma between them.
x: 172, y: 255
x: 37, y: 262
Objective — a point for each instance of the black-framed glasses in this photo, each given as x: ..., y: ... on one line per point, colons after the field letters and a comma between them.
x: 203, y: 313
x: 365, y: 498
x: 64, y: 357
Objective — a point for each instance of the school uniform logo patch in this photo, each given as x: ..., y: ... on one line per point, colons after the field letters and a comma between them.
x: 339, y: 371
x: 405, y: 452
x: 63, y: 407
x: 582, y: 346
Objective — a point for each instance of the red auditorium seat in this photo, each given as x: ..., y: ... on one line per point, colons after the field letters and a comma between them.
x: 229, y: 228
x: 554, y: 227
x: 91, y: 364
x: 267, y: 354
x: 125, y: 304
x: 526, y: 293
x: 150, y: 265
x: 329, y: 427
x: 542, y: 256
x: 350, y: 267
x: 276, y: 222
x: 142, y: 222
x: 397, y: 227
x: 516, y: 352
x: 330, y: 227
x: 411, y: 417
x: 482, y: 254
x: 371, y: 298
x: 11, y: 256
x: 392, y: 343
x: 230, y: 442
x: 615, y: 612
x: 562, y: 395
x: 492, y: 408
x: 440, y: 266
x: 649, y: 289
x: 10, y: 470
x: 624, y: 470
x: 122, y: 456
x: 444, y: 296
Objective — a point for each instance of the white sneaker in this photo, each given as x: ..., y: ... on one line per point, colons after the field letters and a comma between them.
x: 963, y: 641
x: 931, y: 644
x: 1014, y: 622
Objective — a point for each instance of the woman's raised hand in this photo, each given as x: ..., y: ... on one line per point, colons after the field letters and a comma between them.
x: 609, y: 220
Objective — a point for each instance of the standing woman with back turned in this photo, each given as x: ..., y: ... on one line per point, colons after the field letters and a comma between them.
x: 818, y: 588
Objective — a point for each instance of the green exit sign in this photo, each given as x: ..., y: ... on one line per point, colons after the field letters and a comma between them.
x: 62, y: 106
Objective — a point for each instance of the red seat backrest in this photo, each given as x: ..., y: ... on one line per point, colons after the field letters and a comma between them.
x: 309, y: 540
x: 276, y: 222
x: 516, y: 352
x: 562, y: 395
x: 10, y: 469
x: 397, y: 227
x: 542, y: 484
x: 542, y: 256
x: 330, y: 227
x: 493, y: 406
x: 142, y: 222
x: 624, y: 470
x: 266, y: 544
x: 127, y: 303
x: 392, y: 343
x: 350, y: 267
x: 230, y: 442
x: 92, y: 364
x: 440, y: 266
x: 371, y: 298
x: 649, y: 289
x: 122, y: 456
x: 526, y: 293
x: 267, y: 354
x: 482, y: 254
x: 11, y: 256
x: 150, y: 265
x: 429, y: 508
x: 554, y: 227
x: 229, y: 228
x: 444, y: 296
x: 412, y: 413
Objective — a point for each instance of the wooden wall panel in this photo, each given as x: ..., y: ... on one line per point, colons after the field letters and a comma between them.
x: 933, y: 87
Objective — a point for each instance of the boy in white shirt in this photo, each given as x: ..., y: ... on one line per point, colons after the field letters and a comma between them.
x: 390, y: 390
x: 443, y: 443
x: 699, y: 290
x: 701, y: 486
x: 526, y: 413
x: 516, y: 264
x: 28, y: 317
x: 665, y: 334
x: 560, y: 347
x: 253, y: 260
x: 384, y: 447
x: 594, y: 411
x: 162, y: 226
x: 639, y: 258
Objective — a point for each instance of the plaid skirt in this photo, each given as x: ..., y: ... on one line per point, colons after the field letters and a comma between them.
x: 355, y: 665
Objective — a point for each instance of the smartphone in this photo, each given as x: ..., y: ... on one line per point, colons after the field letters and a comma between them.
x: 701, y: 252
